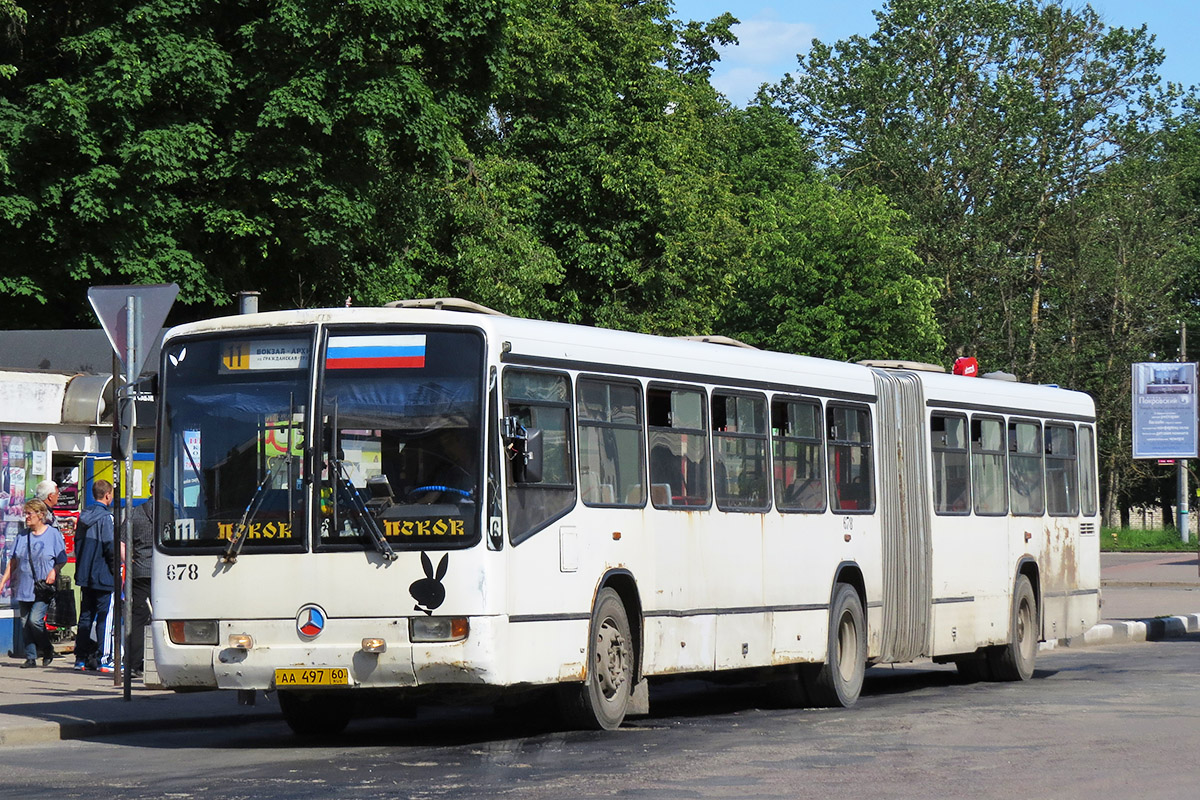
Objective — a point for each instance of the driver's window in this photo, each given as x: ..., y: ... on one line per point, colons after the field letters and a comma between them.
x: 540, y: 400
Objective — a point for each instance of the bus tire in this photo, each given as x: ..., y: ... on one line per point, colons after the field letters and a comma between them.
x: 1014, y: 661
x: 314, y: 714
x: 601, y: 701
x: 839, y: 680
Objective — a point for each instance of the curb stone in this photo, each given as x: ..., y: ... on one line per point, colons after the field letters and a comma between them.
x: 1146, y: 630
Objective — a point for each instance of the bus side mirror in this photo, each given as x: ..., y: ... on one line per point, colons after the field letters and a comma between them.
x: 524, y: 448
x: 533, y: 457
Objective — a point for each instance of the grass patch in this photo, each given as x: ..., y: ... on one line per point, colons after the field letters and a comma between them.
x: 1127, y: 540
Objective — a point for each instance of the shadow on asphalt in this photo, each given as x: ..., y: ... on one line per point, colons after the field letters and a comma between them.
x: 675, y: 704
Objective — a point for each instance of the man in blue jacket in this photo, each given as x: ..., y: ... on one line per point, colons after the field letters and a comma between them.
x: 93, y: 574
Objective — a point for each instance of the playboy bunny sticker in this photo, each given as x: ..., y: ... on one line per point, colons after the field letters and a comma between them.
x: 428, y: 591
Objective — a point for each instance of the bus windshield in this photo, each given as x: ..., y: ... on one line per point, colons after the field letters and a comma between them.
x: 234, y: 415
x: 396, y: 456
x: 401, y: 439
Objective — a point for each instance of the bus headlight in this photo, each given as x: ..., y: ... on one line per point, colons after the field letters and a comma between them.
x: 241, y: 641
x: 192, y: 631
x: 438, y: 629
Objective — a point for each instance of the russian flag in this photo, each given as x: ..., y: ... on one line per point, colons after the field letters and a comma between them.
x: 376, y: 352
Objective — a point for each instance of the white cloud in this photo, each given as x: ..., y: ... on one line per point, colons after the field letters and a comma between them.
x: 740, y: 84
x: 768, y: 42
x: 766, y: 51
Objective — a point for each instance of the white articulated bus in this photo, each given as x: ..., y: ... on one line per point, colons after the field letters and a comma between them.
x: 420, y: 501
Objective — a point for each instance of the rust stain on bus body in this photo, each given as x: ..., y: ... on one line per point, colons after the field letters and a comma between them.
x: 1060, y: 539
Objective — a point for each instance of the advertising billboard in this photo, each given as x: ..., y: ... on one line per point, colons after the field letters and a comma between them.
x: 1164, y: 410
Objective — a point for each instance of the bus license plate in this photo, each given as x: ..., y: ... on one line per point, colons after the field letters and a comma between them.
x: 312, y: 676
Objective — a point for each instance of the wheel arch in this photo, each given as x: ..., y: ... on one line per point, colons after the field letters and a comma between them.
x: 850, y: 572
x: 623, y: 583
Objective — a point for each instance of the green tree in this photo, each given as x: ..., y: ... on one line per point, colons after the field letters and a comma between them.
x: 12, y: 20
x: 829, y: 276
x: 668, y: 210
x: 984, y: 120
x: 232, y: 144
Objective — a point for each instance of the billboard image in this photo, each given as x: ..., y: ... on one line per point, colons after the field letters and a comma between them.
x: 1164, y: 410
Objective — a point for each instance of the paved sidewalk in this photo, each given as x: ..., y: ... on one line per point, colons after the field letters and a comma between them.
x: 1145, y: 597
x: 56, y: 702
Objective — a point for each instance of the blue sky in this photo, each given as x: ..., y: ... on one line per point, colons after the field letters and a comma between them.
x: 771, y: 34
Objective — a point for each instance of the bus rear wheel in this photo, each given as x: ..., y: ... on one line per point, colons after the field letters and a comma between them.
x: 602, y: 700
x: 1014, y: 661
x: 839, y: 680
x: 314, y: 714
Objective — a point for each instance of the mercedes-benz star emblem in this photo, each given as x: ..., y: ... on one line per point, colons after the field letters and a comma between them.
x: 310, y: 621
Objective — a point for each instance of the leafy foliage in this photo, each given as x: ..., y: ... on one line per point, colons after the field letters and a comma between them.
x: 229, y: 145
x: 985, y: 120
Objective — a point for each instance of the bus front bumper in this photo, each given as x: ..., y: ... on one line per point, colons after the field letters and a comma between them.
x: 269, y: 654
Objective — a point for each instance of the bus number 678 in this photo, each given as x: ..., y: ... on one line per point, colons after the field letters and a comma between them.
x: 180, y: 572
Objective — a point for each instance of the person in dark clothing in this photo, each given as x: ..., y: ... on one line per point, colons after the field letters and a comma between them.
x: 143, y: 549
x: 93, y: 574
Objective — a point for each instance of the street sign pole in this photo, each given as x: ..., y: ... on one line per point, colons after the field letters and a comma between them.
x: 133, y: 356
x: 119, y: 485
x: 131, y: 317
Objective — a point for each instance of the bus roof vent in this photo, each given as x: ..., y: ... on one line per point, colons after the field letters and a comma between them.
x: 916, y: 366
x: 445, y: 304
x: 728, y: 341
x: 1001, y: 376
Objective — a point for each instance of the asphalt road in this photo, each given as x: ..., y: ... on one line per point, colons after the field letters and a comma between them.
x: 1104, y: 722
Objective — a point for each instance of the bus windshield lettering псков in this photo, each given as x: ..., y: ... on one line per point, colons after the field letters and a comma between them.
x: 410, y: 503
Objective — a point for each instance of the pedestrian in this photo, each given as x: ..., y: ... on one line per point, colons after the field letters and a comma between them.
x: 47, y: 492
x: 94, y: 574
x: 39, y: 553
x: 143, y: 549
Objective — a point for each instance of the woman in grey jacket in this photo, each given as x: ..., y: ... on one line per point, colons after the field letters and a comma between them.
x: 39, y: 553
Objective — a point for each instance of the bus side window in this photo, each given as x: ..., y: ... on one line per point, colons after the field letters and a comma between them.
x: 951, y: 464
x: 611, y: 443
x: 988, y: 465
x: 797, y: 427
x: 1026, y: 487
x: 1062, y: 472
x: 1087, y: 471
x: 739, y: 424
x: 678, y: 448
x: 850, y: 458
x: 541, y: 400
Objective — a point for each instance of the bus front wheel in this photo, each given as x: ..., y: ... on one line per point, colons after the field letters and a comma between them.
x: 839, y: 680
x: 601, y: 701
x: 314, y: 714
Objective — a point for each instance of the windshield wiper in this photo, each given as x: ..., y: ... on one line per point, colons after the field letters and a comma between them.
x: 230, y: 555
x: 348, y: 491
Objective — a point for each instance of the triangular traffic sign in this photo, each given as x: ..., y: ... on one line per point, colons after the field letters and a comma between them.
x: 110, y: 303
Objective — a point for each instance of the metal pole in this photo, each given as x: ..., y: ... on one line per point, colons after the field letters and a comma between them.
x: 133, y: 319
x: 116, y: 502
x: 1183, y: 464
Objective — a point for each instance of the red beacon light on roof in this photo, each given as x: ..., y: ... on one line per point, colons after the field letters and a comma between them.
x: 966, y: 366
